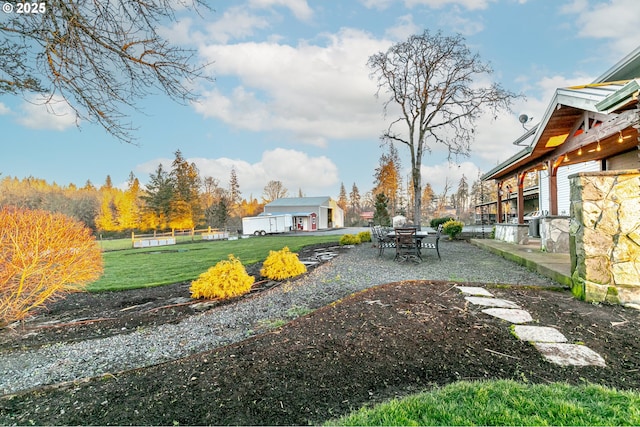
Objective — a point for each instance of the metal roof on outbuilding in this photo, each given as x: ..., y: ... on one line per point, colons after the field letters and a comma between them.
x: 300, y: 201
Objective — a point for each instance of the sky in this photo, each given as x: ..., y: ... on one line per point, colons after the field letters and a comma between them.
x: 293, y: 100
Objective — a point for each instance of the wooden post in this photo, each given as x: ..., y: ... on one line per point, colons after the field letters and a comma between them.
x: 520, y: 205
x: 553, y: 186
x: 499, y: 203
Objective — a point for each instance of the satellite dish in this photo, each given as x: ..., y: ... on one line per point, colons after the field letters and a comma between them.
x: 523, y: 118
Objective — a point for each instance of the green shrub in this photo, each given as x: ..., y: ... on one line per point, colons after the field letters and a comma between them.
x: 282, y: 264
x: 226, y: 279
x: 435, y: 222
x: 350, y: 239
x: 364, y: 236
x: 452, y: 228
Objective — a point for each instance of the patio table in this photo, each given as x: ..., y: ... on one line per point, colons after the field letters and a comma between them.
x: 420, y: 236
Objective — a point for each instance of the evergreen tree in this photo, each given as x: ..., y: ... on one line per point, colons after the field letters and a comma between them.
x: 158, y: 198
x: 342, y: 199
x: 186, y: 208
x: 354, y: 204
x: 381, y: 214
x: 234, y: 192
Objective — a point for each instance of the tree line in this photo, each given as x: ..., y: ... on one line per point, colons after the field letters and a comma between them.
x: 176, y: 197
x: 396, y: 196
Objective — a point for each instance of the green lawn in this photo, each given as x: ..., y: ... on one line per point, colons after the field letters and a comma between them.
x: 505, y: 403
x: 139, y: 268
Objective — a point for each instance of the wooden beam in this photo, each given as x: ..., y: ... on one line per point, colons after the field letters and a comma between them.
x: 520, y: 205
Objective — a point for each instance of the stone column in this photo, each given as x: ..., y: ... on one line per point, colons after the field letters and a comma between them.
x: 605, y: 236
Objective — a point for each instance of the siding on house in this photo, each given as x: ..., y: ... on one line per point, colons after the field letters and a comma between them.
x: 625, y: 161
x: 564, y: 199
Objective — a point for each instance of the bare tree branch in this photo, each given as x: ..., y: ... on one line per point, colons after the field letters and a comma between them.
x: 100, y: 56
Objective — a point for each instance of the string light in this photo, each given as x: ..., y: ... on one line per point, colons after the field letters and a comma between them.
x: 580, y: 151
x: 566, y: 158
x: 598, y: 147
x: 620, y: 139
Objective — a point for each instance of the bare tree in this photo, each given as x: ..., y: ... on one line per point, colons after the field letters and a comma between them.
x: 431, y: 78
x: 274, y: 190
x: 100, y: 56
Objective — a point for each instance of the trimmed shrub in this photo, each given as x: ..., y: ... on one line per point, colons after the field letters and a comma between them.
x: 43, y: 256
x: 349, y: 239
x: 364, y: 236
x: 435, y: 222
x: 227, y: 279
x: 282, y: 264
x: 452, y: 228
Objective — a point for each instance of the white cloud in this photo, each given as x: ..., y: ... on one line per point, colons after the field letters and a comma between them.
x: 236, y: 23
x: 449, y: 174
x: 435, y: 4
x: 456, y: 22
x: 377, y: 4
x: 613, y: 20
x: 299, y: 8
x: 312, y: 92
x: 295, y: 169
x: 403, y: 29
x: 4, y: 109
x: 47, y: 112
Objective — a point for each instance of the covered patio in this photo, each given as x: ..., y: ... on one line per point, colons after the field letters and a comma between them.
x: 585, y: 153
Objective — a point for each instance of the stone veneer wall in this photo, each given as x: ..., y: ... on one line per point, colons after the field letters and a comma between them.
x: 605, y: 236
x: 512, y: 233
x: 554, y: 234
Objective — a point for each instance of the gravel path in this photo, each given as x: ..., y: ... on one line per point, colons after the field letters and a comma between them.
x: 357, y: 269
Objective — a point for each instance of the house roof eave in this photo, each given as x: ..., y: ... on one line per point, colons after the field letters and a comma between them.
x: 505, y: 166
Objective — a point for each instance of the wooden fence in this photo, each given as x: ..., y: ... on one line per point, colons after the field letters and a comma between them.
x: 171, y: 237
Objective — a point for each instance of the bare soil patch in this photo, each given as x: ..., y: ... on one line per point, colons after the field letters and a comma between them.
x: 384, y: 342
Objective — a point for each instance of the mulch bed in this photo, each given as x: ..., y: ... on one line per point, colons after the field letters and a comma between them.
x: 381, y: 343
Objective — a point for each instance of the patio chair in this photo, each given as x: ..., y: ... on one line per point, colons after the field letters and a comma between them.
x: 407, y: 245
x: 424, y: 244
x: 382, y: 241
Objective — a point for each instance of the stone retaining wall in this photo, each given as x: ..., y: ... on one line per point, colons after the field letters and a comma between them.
x: 554, y: 234
x: 512, y: 233
x: 605, y: 235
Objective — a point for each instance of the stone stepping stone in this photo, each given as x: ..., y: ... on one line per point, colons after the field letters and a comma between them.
x: 570, y: 354
x: 475, y: 290
x: 512, y: 315
x: 539, y: 334
x: 492, y: 302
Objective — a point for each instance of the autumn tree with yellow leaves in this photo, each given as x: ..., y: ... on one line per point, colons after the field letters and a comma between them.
x: 43, y: 255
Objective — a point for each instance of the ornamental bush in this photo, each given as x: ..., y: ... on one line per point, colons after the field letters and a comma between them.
x: 226, y: 279
x: 43, y: 256
x: 282, y: 264
x: 452, y: 228
x: 364, y: 236
x: 350, y: 239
